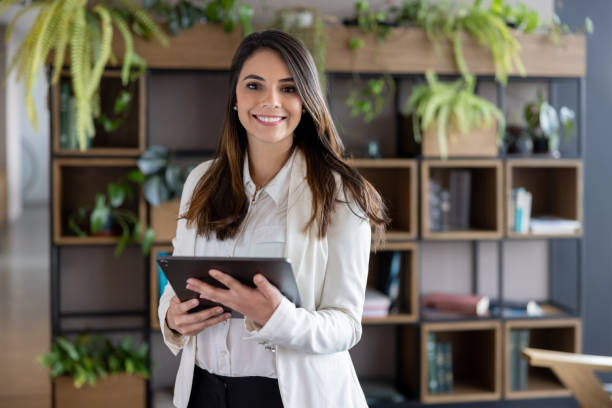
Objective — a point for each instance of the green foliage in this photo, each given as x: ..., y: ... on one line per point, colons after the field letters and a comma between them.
x: 107, y: 210
x: 449, y: 108
x: 517, y: 16
x: 558, y: 27
x: 369, y: 100
x: 543, y: 121
x: 370, y: 22
x: 162, y: 181
x: 184, y: 14
x: 87, y: 32
x: 307, y: 25
x: 91, y: 358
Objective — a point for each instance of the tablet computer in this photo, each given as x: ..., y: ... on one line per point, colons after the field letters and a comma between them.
x: 180, y: 268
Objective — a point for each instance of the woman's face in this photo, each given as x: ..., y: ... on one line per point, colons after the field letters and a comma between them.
x: 269, y: 106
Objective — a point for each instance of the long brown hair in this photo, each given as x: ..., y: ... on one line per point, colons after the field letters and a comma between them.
x: 219, y: 202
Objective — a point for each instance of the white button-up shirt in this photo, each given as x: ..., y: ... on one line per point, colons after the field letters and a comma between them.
x: 224, y: 349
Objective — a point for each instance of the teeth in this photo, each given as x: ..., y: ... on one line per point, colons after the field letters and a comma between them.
x: 269, y: 118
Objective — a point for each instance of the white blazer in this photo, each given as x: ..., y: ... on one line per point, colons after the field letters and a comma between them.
x: 312, y: 360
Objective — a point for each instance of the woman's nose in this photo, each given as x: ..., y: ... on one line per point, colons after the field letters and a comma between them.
x: 271, y: 99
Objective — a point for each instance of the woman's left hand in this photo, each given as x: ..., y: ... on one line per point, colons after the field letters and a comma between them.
x: 258, y: 303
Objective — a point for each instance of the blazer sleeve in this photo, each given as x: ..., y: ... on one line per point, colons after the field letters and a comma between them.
x: 175, y: 342
x: 336, y: 324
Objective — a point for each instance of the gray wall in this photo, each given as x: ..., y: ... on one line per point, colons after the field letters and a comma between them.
x: 598, y: 168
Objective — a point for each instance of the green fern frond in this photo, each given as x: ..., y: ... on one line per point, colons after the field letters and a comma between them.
x: 105, y: 48
x: 129, y: 46
x: 77, y: 49
x: 9, y: 29
x: 143, y: 18
x: 63, y: 38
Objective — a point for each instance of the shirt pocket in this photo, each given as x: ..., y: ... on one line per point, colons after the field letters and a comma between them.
x: 268, y: 242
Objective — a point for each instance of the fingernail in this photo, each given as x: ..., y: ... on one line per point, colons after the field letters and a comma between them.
x: 195, y: 302
x: 218, y: 310
x: 212, y: 272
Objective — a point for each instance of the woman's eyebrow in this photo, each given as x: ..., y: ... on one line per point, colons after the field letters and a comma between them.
x: 257, y: 77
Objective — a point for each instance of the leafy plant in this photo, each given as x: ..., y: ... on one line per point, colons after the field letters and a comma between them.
x: 371, y: 98
x: 448, y: 108
x: 121, y: 109
x: 91, y: 358
x: 307, y: 25
x: 543, y: 121
x: 518, y: 16
x: 86, y: 31
x: 162, y: 181
x: 369, y: 22
x: 558, y: 27
x: 107, y: 210
x: 184, y: 14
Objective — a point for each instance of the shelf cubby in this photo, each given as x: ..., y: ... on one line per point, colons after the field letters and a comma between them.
x: 127, y: 140
x: 556, y: 187
x: 476, y: 360
x: 380, y: 262
x: 485, y: 198
x: 552, y: 334
x: 396, y: 181
x: 154, y: 282
x: 76, y: 181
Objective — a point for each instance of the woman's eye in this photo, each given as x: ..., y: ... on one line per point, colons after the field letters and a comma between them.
x: 289, y: 89
x: 253, y: 85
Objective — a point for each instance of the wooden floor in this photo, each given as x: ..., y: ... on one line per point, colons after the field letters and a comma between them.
x: 24, y: 310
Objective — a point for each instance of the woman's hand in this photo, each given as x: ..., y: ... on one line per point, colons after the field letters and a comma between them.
x: 190, y: 324
x: 257, y: 304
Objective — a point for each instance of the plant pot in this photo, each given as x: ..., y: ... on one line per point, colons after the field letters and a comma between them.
x: 477, y: 143
x: 117, y: 391
x: 540, y: 145
x: 164, y: 219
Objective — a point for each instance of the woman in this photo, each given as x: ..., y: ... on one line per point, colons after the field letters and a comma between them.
x: 278, y: 186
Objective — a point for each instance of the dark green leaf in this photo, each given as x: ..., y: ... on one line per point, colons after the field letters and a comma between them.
x: 68, y: 348
x: 136, y: 176
x: 147, y: 241
x: 122, y: 102
x: 156, y: 191
x: 116, y: 194
x: 100, y: 215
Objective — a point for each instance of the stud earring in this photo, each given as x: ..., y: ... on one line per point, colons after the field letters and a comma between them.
x: 303, y: 110
x: 235, y: 108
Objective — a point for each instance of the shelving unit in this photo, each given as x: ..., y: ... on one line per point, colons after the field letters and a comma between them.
x: 195, y: 75
x: 408, y: 300
x: 385, y: 174
x: 485, y: 213
x: 557, y: 190
x: 554, y: 334
x: 127, y: 140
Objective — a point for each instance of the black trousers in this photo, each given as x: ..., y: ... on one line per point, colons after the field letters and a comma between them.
x: 215, y: 391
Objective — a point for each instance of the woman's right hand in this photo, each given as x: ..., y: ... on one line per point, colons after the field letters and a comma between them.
x: 190, y: 324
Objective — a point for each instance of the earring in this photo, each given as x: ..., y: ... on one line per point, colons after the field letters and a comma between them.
x: 235, y: 108
x: 303, y: 110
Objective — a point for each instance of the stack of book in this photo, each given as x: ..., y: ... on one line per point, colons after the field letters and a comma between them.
x: 519, y: 367
x: 376, y: 304
x: 469, y: 305
x: 553, y: 225
x: 440, y: 365
x: 450, y: 209
x: 68, y: 119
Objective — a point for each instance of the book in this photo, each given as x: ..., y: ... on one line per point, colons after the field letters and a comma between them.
x: 376, y: 304
x: 72, y: 124
x: 472, y: 305
x: 432, y: 371
x: 522, y: 210
x: 440, y: 367
x: 393, y: 282
x: 515, y: 308
x: 460, y: 187
x: 513, y: 357
x: 447, y: 351
x: 553, y: 225
x: 162, y: 281
x: 63, y: 119
x: 523, y: 365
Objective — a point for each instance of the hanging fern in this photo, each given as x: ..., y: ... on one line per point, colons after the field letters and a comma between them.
x: 87, y: 33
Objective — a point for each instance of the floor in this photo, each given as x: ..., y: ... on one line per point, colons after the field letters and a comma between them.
x: 25, y: 310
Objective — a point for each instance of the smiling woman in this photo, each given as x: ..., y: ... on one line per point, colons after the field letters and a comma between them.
x: 277, y: 187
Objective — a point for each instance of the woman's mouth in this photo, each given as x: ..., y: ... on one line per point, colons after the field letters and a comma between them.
x: 269, y: 120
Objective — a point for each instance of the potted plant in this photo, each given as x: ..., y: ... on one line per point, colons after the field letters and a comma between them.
x: 92, y: 371
x: 108, y: 218
x: 368, y: 101
x: 451, y: 112
x: 163, y: 185
x: 544, y: 125
x: 81, y: 32
x: 369, y: 22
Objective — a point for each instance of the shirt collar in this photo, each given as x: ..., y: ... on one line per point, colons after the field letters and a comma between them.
x: 277, y: 188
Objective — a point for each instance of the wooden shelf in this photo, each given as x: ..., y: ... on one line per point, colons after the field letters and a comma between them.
x: 396, y: 181
x: 164, y: 218
x: 409, y: 281
x: 75, y: 184
x: 127, y: 140
x: 557, y: 189
x: 405, y: 51
x: 476, y: 353
x: 553, y: 334
x: 485, y: 211
x: 154, y: 283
